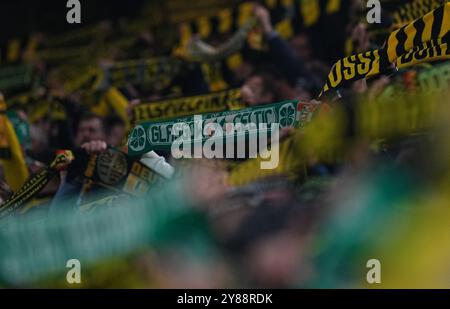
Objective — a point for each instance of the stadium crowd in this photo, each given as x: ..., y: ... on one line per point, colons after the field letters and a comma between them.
x: 316, y: 226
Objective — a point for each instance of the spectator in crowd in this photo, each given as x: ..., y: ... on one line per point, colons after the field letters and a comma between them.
x: 116, y: 130
x: 260, y: 88
x: 90, y: 128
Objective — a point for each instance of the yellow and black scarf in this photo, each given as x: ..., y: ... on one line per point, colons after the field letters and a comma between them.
x: 186, y: 106
x: 34, y: 185
x: 423, y: 40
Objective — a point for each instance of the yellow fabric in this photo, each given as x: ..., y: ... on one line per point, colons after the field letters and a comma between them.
x: 118, y: 103
x: 310, y: 11
x: 14, y: 169
x: 410, y: 31
x: 101, y: 108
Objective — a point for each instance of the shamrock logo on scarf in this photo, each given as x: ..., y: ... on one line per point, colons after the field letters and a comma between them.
x: 137, y: 139
x: 287, y: 115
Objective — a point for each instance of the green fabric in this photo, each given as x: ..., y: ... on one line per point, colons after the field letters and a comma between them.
x: 435, y: 79
x: 151, y: 136
x: 36, y: 246
x: 343, y: 242
x: 14, y: 77
x: 21, y: 127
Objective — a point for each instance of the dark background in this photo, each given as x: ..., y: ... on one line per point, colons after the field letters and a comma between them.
x: 19, y: 18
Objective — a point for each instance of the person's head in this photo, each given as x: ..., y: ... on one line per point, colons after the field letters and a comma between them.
x: 90, y: 128
x: 116, y: 130
x: 360, y: 37
x: 306, y: 88
x: 259, y: 88
x: 302, y: 46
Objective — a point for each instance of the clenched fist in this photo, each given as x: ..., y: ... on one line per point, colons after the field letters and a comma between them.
x: 94, y: 147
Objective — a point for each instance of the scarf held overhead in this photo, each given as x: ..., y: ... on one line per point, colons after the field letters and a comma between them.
x: 424, y: 40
